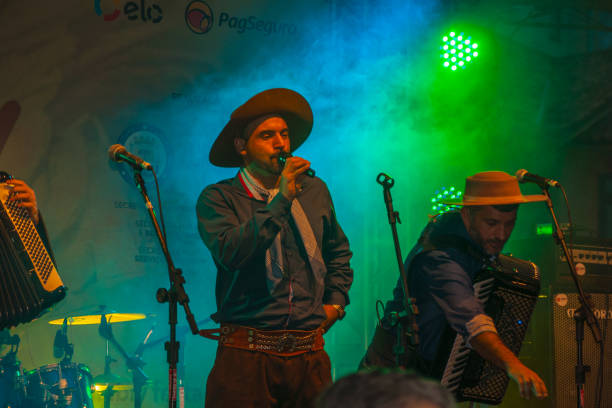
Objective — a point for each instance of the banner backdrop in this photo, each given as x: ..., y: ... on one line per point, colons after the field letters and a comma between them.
x: 159, y: 77
x: 162, y: 76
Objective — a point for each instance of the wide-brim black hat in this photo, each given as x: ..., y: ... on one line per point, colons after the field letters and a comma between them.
x: 290, y: 105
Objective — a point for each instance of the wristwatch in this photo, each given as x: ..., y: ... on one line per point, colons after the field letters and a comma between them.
x: 341, y: 312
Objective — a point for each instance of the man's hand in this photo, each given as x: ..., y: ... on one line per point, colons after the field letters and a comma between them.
x: 294, y: 166
x: 489, y: 346
x: 529, y: 382
x: 21, y: 191
x: 332, y: 317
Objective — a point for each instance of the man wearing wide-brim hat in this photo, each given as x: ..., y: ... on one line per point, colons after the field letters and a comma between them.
x: 451, y: 250
x: 282, y: 259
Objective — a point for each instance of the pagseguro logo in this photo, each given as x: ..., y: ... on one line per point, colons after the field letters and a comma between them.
x: 199, y: 18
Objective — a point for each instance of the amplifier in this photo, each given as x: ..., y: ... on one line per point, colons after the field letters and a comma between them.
x: 564, y: 338
x: 592, y: 257
x: 593, y: 261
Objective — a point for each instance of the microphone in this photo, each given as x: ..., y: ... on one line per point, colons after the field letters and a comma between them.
x: 282, y: 159
x: 59, y: 344
x: 524, y: 176
x: 61, y: 340
x: 119, y: 153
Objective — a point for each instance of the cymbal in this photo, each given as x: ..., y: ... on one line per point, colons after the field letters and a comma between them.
x: 103, y: 381
x: 95, y: 319
x: 98, y: 387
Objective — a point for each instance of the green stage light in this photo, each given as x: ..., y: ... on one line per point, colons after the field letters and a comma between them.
x: 544, y: 229
x: 460, y: 47
x: 445, y: 194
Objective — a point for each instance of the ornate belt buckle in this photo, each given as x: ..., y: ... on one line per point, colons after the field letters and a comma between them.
x: 287, y: 343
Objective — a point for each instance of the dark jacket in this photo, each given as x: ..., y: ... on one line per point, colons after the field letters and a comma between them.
x: 440, y: 270
x: 238, y: 229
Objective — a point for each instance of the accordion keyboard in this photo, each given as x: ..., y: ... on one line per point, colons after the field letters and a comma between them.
x: 508, y: 291
x: 25, y: 232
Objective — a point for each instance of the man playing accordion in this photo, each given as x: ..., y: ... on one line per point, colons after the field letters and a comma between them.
x: 440, y: 271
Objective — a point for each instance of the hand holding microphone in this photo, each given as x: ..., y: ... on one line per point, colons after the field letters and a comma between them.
x: 291, y: 167
x: 282, y: 160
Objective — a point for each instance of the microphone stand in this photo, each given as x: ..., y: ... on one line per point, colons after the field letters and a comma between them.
x: 181, y: 332
x: 405, y: 320
x: 583, y: 313
x: 175, y: 294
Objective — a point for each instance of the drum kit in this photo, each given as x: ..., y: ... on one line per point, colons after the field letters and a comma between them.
x: 66, y: 384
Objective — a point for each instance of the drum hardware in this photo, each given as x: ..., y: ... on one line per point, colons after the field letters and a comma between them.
x: 102, y: 382
x: 59, y: 385
x: 107, y: 384
x: 12, y: 392
x: 181, y: 332
x: 61, y: 346
x: 134, y: 364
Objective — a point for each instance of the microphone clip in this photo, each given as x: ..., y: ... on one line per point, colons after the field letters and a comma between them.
x: 385, y: 180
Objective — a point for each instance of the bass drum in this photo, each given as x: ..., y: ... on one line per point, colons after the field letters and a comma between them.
x: 11, y: 383
x: 63, y: 385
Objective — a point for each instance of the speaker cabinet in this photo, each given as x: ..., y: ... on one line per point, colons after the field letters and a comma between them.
x: 565, y: 355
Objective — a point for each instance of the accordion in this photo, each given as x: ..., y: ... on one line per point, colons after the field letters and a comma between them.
x: 509, y: 291
x: 29, y: 282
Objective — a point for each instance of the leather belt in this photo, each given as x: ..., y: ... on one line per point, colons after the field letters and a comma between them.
x: 277, y: 342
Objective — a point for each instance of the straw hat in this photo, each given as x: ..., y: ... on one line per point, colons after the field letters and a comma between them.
x: 494, y: 188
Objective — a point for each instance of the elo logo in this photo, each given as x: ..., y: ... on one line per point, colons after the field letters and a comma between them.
x: 199, y: 17
x: 131, y: 9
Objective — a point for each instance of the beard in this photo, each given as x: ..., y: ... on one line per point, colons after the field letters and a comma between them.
x: 491, y: 246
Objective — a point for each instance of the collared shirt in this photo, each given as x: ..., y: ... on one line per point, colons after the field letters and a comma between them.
x: 238, y: 229
x: 441, y: 281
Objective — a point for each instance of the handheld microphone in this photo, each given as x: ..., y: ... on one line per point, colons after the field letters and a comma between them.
x: 282, y: 159
x: 119, y: 153
x: 524, y: 176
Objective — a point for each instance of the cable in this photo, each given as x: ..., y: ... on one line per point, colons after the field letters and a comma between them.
x: 571, y: 224
x: 602, y: 360
x: 379, y: 304
x: 159, y: 203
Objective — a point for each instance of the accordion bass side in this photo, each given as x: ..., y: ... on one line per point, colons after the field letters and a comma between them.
x: 509, y: 292
x: 29, y: 281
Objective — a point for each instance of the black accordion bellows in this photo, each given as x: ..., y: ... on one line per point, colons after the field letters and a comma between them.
x: 509, y: 291
x: 29, y: 282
